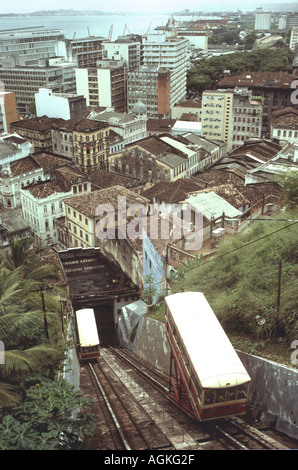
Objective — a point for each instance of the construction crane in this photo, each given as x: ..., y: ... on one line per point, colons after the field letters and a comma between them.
x: 126, y: 28
x: 110, y: 34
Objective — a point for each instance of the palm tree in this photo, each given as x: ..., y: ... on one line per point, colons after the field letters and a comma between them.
x: 23, y: 256
x: 21, y: 325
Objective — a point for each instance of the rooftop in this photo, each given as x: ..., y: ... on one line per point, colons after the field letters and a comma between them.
x: 88, y: 203
x: 173, y: 191
x: 48, y: 160
x: 211, y: 204
x: 42, y: 123
x: 83, y: 125
x: 259, y: 79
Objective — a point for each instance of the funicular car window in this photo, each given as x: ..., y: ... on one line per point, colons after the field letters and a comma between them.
x: 231, y: 394
x: 209, y: 397
x: 220, y: 395
x: 242, y: 391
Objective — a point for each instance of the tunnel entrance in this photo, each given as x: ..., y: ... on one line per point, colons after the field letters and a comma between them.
x: 105, y: 325
x: 96, y: 282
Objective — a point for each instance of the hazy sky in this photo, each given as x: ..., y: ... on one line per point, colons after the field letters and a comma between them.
x: 158, y: 6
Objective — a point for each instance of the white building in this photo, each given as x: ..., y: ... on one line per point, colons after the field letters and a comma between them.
x: 262, y: 20
x: 17, y: 169
x: 105, y: 85
x: 42, y: 203
x: 294, y: 38
x: 65, y: 106
x: 123, y: 48
x: 169, y: 52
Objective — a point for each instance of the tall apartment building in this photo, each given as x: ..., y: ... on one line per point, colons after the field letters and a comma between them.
x: 217, y: 116
x: 124, y: 48
x: 32, y: 47
x: 292, y: 20
x: 26, y: 81
x: 85, y: 51
x: 105, y: 85
x: 262, y: 20
x: 294, y: 38
x: 151, y: 86
x: 274, y: 88
x: 231, y: 116
x: 164, y: 49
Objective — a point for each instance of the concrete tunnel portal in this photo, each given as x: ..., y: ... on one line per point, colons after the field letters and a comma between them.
x: 95, y: 282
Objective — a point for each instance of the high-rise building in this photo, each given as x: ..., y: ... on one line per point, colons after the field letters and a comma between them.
x: 149, y: 86
x: 105, y: 85
x: 294, y: 38
x: 231, y: 116
x: 164, y: 49
x: 262, y: 20
x: 26, y: 81
x: 28, y: 48
x: 124, y: 48
x: 85, y: 51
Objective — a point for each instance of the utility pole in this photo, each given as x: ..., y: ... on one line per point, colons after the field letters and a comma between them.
x: 44, y: 312
x: 278, y: 293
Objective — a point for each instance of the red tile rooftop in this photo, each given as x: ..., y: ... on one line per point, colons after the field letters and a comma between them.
x: 259, y: 79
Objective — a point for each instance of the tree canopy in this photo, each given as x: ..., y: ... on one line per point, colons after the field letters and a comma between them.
x: 208, y: 71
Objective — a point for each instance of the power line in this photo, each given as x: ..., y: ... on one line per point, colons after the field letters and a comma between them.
x: 243, y: 246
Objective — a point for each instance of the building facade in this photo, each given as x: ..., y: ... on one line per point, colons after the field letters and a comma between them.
x: 274, y: 88
x: 130, y: 127
x: 26, y: 81
x: 37, y: 131
x: 28, y: 48
x: 86, y: 142
x: 58, y: 105
x: 124, y: 48
x: 84, y: 51
x: 165, y: 50
x: 262, y: 20
x: 8, y: 110
x: 105, y: 85
x: 42, y: 203
x: 151, y: 86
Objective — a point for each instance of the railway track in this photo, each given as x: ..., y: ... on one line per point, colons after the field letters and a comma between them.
x: 136, y: 394
x: 129, y: 424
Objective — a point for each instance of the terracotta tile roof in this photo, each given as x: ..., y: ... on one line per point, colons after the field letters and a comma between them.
x: 24, y: 166
x: 48, y: 160
x: 188, y: 104
x: 285, y: 118
x: 152, y: 145
x: 87, y: 203
x: 258, y: 79
x: 162, y: 125
x: 82, y: 125
x: 71, y: 173
x: 45, y: 189
x: 219, y: 177
x: 43, y: 123
x: 173, y: 191
x: 105, y: 179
